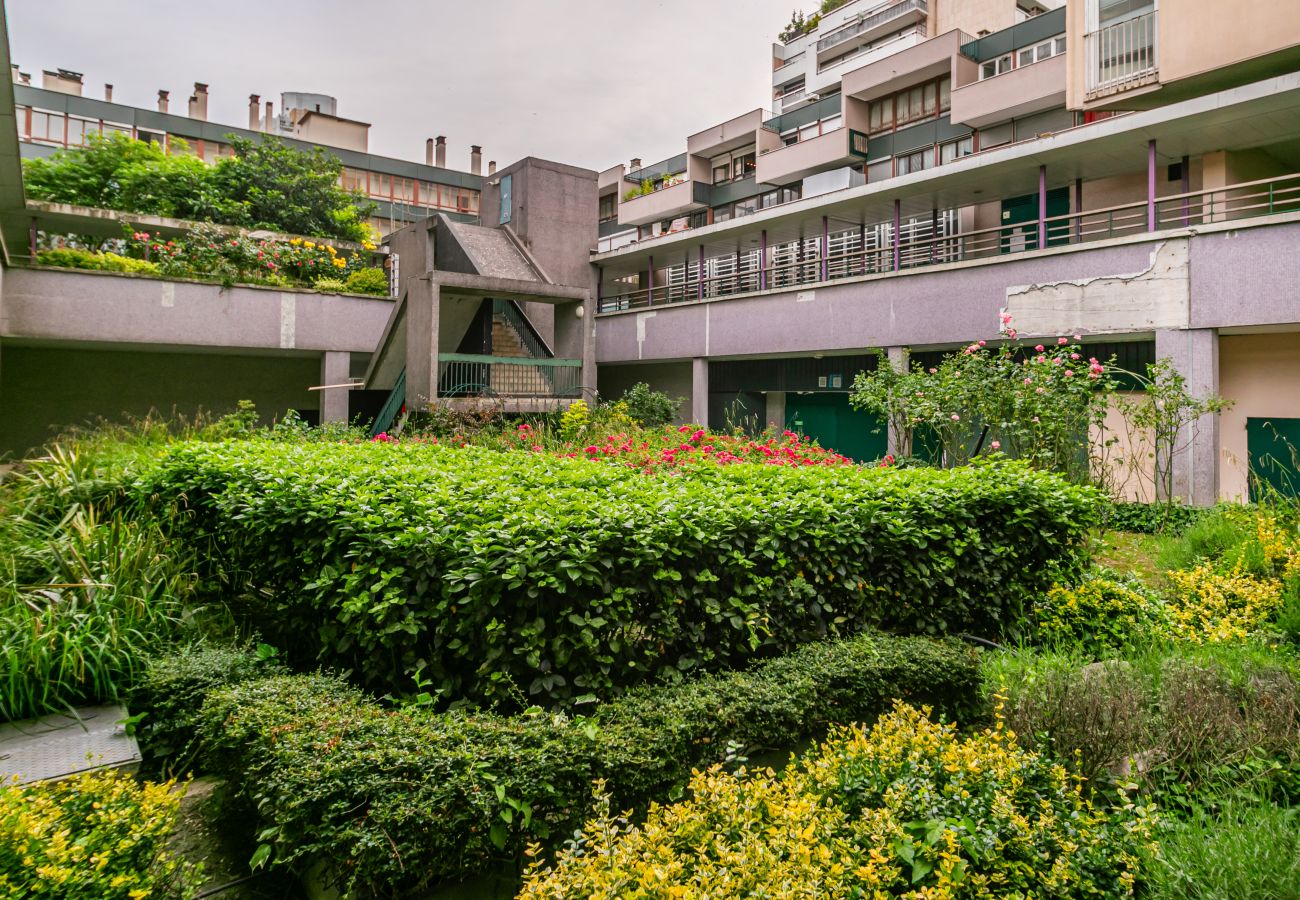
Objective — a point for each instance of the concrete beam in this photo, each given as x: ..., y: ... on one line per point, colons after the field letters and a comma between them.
x: 423, y: 311
x: 700, y: 390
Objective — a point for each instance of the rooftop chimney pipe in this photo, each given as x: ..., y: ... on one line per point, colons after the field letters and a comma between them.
x: 492, y: 167
x: 268, y: 122
x: 254, y: 111
x: 108, y: 93
x: 635, y: 163
x: 199, y: 102
x: 475, y: 159
x: 440, y: 152
x: 428, y: 152
x: 162, y: 101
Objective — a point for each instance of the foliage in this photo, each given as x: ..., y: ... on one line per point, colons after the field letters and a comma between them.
x: 1240, y: 847
x: 73, y: 258
x: 574, y: 419
x: 907, y: 809
x: 1151, y: 518
x: 1103, y: 613
x: 98, y: 835
x: 264, y: 184
x: 78, y: 613
x: 391, y: 558
x: 1170, y: 414
x: 328, y: 285
x: 650, y: 409
x: 368, y: 280
x: 1208, y: 606
x: 1175, y: 717
x: 1036, y: 406
x: 328, y: 775
x: 167, y: 699
x: 798, y: 26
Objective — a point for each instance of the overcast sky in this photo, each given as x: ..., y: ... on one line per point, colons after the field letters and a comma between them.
x: 588, y: 82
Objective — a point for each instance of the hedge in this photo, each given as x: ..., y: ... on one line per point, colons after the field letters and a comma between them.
x: 509, y: 577
x: 394, y: 801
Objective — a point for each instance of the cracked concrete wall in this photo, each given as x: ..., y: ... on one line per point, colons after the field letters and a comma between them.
x: 1158, y: 297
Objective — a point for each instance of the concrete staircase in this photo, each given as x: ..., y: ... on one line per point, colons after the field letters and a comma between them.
x: 515, y: 381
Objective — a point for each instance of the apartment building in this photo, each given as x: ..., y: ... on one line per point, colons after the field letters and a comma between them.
x: 1124, y: 169
x: 58, y: 114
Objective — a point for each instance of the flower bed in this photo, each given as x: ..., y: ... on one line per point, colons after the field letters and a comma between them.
x: 506, y: 576
x: 395, y: 801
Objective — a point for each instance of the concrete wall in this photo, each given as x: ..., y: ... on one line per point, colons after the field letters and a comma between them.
x: 99, y: 307
x: 1124, y: 455
x: 1261, y: 374
x: 1198, y: 36
x: 673, y: 378
x: 971, y: 16
x: 43, y: 389
x: 1019, y: 92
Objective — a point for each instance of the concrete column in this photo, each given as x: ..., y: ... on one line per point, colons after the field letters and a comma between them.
x: 897, y: 444
x: 1195, y: 354
x: 1151, y: 185
x: 423, y: 308
x: 776, y: 410
x: 700, y: 390
x: 589, y: 348
x: 335, y: 368
x: 1042, y: 207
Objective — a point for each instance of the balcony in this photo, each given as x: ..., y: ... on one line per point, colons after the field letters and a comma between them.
x: 1122, y: 56
x: 729, y: 135
x: 791, y: 162
x: 870, y: 27
x: 910, y: 66
x: 1020, y: 92
x: 664, y: 203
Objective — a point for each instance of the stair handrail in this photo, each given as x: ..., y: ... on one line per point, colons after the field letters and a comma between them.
x: 523, y: 328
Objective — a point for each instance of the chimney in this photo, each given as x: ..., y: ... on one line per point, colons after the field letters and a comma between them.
x: 254, y: 110
x: 199, y: 102
x: 428, y: 152
x: 268, y: 124
x: 108, y: 93
x: 440, y: 152
x: 492, y: 167
x: 475, y: 159
x: 162, y: 101
x: 65, y: 81
x: 635, y: 163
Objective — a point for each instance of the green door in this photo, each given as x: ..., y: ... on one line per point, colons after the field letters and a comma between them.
x: 829, y: 420
x: 1020, y: 215
x: 1273, y: 447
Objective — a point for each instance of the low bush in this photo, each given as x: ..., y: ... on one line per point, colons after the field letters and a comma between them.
x: 1151, y: 518
x: 100, y: 835
x: 1207, y: 606
x: 648, y: 408
x: 393, y: 801
x: 370, y: 280
x: 330, y: 285
x: 72, y: 258
x: 1103, y: 613
x: 1175, y: 717
x: 388, y: 559
x: 907, y: 809
x: 167, y: 699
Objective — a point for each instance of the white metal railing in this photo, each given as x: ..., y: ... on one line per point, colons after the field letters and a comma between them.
x: 868, y: 22
x: 1121, y: 53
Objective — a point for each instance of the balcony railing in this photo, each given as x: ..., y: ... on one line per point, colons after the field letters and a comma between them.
x: 869, y: 23
x: 1122, y: 53
x: 472, y: 375
x: 919, y: 249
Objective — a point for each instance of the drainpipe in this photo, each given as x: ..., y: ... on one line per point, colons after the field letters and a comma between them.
x: 650, y: 282
x: 1186, y: 188
x: 699, y: 275
x: 762, y: 261
x: 1151, y: 185
x: 1042, y: 207
x: 826, y: 248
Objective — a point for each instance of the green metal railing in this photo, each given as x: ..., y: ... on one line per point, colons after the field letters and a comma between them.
x: 472, y: 375
x: 392, y: 407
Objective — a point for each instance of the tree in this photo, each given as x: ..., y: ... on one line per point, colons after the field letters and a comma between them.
x: 277, y: 186
x: 650, y: 408
x: 266, y: 184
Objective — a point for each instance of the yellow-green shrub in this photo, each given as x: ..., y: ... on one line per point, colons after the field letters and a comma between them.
x: 100, y: 835
x: 907, y: 809
x: 1208, y: 606
x: 1099, y: 614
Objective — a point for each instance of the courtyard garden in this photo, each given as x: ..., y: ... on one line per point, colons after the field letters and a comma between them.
x: 599, y: 654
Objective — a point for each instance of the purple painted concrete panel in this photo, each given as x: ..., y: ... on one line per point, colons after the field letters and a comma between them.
x: 1246, y: 277
x: 104, y: 308
x: 913, y: 309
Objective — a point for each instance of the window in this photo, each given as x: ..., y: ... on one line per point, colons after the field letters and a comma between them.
x: 609, y: 208
x: 79, y: 130
x: 153, y: 137
x: 954, y: 150
x: 47, y: 127
x: 880, y: 116
x: 722, y: 173
x: 880, y: 170
x: 995, y: 67
x: 775, y: 198
x: 745, y: 164
x: 506, y: 198
x: 916, y: 161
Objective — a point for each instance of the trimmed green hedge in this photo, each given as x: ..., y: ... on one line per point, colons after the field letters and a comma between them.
x: 394, y: 801
x: 507, y: 577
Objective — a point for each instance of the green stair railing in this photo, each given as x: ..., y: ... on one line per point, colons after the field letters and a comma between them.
x: 392, y: 407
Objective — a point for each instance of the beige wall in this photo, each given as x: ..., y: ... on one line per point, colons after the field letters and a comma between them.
x: 334, y: 133
x: 1197, y: 36
x: 971, y: 16
x: 1103, y: 193
x: 1124, y: 456
x: 1261, y: 374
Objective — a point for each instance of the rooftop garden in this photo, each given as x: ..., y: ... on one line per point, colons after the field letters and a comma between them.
x: 799, y: 24
x: 602, y: 654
